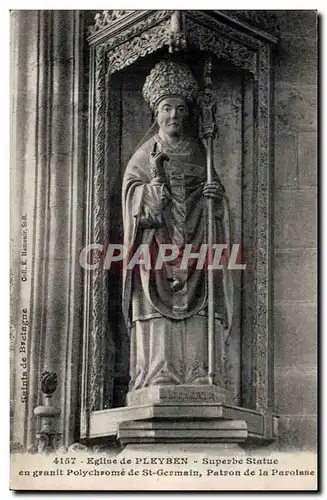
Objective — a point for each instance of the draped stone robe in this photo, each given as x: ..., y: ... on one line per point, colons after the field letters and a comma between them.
x: 166, y: 308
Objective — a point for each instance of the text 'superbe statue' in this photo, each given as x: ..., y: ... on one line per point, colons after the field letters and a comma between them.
x: 164, y: 202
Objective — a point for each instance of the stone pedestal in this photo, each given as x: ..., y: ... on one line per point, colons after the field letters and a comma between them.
x: 187, y: 419
x: 182, y: 414
x: 182, y: 431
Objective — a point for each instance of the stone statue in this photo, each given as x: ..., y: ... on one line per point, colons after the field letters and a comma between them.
x: 164, y: 203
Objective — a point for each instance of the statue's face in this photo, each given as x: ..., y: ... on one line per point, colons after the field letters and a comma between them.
x: 171, y: 115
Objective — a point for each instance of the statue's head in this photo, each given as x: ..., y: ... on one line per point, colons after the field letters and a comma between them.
x: 169, y: 90
x: 171, y: 114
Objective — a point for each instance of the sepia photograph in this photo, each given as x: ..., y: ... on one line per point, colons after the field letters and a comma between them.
x: 163, y: 250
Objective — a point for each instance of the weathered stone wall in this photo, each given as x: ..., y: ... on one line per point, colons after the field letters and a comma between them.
x: 295, y: 200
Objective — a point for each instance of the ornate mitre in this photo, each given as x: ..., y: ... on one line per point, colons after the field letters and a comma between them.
x: 167, y: 79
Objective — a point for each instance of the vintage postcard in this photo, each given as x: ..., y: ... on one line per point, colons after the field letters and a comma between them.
x: 163, y: 250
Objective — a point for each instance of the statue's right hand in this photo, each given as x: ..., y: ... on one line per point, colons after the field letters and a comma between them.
x: 157, y: 159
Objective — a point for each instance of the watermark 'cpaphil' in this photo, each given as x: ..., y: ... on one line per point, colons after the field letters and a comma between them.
x: 95, y: 256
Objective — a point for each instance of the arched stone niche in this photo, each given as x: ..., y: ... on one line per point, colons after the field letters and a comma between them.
x: 127, y: 43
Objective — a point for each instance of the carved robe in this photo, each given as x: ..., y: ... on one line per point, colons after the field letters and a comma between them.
x: 166, y: 308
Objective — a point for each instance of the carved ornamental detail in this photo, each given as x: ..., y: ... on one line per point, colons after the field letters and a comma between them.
x: 106, y: 18
x: 100, y: 328
x: 172, y: 29
x: 133, y: 27
x: 263, y: 243
x: 265, y: 19
x: 126, y: 54
x: 206, y: 39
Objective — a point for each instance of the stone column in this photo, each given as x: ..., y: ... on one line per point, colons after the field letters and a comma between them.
x: 47, y: 192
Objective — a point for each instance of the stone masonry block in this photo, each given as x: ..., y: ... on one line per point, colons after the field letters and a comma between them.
x: 296, y: 60
x: 296, y: 107
x: 307, y: 159
x: 296, y: 433
x: 295, y: 275
x: 295, y: 334
x: 295, y: 219
x: 286, y: 160
x: 296, y: 390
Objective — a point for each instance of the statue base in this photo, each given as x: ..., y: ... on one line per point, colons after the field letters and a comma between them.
x: 183, y: 431
x: 178, y: 394
x: 183, y: 414
x: 186, y: 420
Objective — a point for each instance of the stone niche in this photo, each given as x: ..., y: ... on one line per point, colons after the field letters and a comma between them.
x: 124, y: 46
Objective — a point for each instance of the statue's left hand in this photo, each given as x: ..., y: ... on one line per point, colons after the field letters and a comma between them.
x: 213, y: 190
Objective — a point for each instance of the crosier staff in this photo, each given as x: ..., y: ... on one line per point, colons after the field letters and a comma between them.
x: 209, y: 131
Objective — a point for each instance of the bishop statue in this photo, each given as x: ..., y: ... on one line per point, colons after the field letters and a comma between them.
x: 165, y: 190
